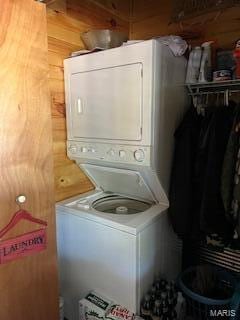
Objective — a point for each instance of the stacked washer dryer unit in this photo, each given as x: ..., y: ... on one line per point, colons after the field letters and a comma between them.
x: 123, y: 106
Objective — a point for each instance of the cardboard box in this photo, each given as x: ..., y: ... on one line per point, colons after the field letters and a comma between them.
x: 117, y: 312
x: 94, y: 306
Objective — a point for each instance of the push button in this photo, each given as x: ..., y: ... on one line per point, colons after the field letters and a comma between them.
x: 111, y: 152
x: 122, y: 154
x: 84, y: 149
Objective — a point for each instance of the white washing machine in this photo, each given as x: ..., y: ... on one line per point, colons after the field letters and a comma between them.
x: 123, y: 106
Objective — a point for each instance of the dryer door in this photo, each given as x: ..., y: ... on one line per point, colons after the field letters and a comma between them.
x: 107, y: 103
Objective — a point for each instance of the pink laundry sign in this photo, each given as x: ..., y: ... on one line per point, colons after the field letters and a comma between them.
x: 25, y: 244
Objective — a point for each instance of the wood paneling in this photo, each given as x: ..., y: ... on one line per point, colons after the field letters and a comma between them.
x: 64, y: 31
x: 120, y: 8
x: 152, y: 18
x: 58, y: 5
x: 92, y: 13
x: 28, y: 286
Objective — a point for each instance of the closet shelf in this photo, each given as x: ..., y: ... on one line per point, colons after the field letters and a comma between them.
x: 213, y: 87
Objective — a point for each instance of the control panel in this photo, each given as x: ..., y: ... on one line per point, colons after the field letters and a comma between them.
x: 108, y: 152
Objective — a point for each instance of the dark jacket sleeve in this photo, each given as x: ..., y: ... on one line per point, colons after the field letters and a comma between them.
x: 181, y: 188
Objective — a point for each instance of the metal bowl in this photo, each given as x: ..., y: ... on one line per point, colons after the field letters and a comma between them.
x: 104, y: 39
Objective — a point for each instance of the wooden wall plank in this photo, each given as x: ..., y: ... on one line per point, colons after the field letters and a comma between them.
x: 64, y: 31
x: 120, y: 8
x: 28, y: 286
x: 153, y: 18
x: 150, y: 21
x: 225, y: 30
x: 67, y: 177
x: 95, y: 16
x: 57, y: 5
x: 64, y: 28
x: 145, y: 9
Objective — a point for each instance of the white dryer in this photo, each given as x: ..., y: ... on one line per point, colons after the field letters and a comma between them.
x: 123, y: 106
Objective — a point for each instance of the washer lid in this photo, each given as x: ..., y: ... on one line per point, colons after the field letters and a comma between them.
x: 143, y: 185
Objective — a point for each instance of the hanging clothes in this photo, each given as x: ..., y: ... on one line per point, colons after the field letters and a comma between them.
x: 198, y: 174
x: 196, y: 206
x: 212, y: 212
x: 230, y: 184
x: 181, y: 188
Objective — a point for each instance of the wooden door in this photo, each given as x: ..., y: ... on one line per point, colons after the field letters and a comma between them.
x: 28, y: 286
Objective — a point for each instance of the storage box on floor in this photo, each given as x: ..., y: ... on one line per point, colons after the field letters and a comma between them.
x: 95, y: 306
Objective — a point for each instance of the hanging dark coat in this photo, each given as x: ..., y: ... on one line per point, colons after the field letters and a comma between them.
x: 181, y: 188
x: 212, y: 211
x: 196, y: 206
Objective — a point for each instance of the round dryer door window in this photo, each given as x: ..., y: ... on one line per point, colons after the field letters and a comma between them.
x: 120, y: 205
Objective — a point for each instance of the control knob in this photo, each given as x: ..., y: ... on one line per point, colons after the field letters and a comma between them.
x: 73, y: 149
x: 139, y: 155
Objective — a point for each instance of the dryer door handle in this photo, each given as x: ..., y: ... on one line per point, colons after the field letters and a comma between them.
x: 79, y: 105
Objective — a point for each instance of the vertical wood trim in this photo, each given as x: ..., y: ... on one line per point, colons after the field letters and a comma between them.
x: 28, y: 287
